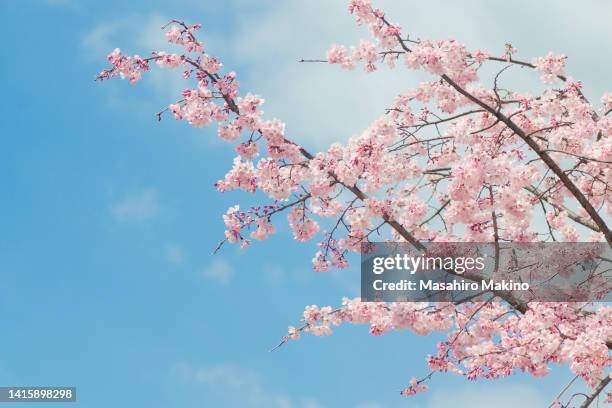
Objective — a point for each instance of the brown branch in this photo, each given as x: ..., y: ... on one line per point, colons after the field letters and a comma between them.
x: 495, y: 230
x: 600, y: 387
x: 438, y: 211
x: 572, y: 215
x: 530, y: 142
x: 564, y: 389
x: 567, y: 182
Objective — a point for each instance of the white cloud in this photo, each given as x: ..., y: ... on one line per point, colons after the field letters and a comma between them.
x: 97, y: 42
x: 238, y: 386
x: 174, y: 254
x: 226, y: 376
x: 498, y: 396
x: 219, y: 271
x: 136, y: 34
x: 320, y: 103
x: 274, y: 274
x: 138, y: 206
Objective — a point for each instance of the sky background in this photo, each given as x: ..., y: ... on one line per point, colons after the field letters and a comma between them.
x: 108, y: 218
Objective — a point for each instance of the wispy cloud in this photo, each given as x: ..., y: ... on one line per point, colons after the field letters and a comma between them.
x: 219, y: 271
x: 231, y: 385
x: 174, y: 254
x: 136, y: 34
x: 274, y: 274
x: 98, y: 41
x: 497, y: 395
x: 137, y: 206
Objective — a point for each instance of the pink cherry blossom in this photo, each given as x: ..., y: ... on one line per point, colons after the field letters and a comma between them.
x: 458, y: 158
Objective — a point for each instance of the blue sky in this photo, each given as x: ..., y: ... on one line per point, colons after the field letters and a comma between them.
x: 108, y: 218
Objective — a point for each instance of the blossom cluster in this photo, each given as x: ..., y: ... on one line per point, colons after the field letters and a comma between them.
x: 551, y: 65
x: 450, y: 160
x: 494, y: 345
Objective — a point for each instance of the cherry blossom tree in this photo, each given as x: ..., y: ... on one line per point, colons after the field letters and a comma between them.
x: 459, y: 158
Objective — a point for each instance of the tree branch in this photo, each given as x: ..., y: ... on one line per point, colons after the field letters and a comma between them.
x: 572, y: 215
x: 600, y: 387
x: 567, y: 182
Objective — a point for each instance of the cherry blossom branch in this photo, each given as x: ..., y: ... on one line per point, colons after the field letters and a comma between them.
x: 600, y: 387
x: 586, y: 222
x: 533, y: 145
x: 495, y: 230
x: 569, y: 184
x: 390, y: 165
